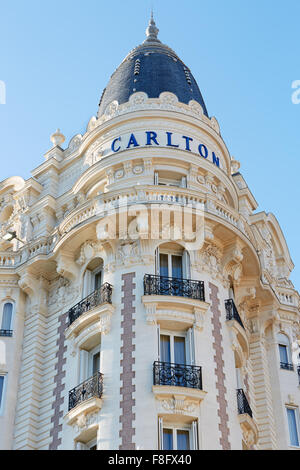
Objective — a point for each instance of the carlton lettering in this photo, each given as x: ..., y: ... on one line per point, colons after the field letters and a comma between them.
x: 151, y: 138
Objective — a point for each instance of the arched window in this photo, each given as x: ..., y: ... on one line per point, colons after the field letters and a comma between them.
x: 7, y: 315
x: 93, y: 277
x: 285, y: 352
x: 172, y: 261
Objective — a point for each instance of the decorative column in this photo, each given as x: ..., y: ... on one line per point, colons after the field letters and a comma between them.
x: 31, y: 376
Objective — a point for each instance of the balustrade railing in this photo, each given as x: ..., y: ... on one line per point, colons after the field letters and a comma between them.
x: 91, y: 388
x: 8, y: 333
x: 286, y: 366
x: 243, y: 404
x: 178, y: 375
x: 161, y: 285
x: 98, y: 297
x: 232, y: 312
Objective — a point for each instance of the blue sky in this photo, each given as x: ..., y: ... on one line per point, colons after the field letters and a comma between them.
x: 57, y: 56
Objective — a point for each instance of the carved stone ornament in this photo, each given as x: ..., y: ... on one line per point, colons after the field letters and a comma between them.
x: 84, y: 421
x: 179, y: 406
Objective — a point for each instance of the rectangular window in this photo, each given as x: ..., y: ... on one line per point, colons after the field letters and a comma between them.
x: 283, y: 354
x: 168, y: 439
x: 7, y: 316
x: 2, y: 380
x: 293, y: 422
x: 176, y: 439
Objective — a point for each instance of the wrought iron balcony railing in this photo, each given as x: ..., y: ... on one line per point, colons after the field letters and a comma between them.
x: 178, y: 375
x: 286, y: 366
x: 232, y: 312
x: 162, y: 285
x: 91, y: 388
x: 243, y: 404
x: 6, y: 333
x: 98, y: 297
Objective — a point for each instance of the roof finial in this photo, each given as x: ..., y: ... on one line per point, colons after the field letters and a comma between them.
x: 152, y: 30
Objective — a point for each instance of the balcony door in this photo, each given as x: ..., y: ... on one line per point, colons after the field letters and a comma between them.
x: 92, y: 281
x: 89, y: 363
x: 173, y: 349
x: 170, y: 265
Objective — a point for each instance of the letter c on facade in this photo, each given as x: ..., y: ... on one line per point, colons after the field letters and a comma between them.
x: 113, y: 145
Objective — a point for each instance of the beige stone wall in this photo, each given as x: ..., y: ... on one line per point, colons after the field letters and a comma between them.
x: 59, y: 216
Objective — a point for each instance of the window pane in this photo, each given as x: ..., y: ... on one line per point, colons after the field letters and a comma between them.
x: 96, y: 363
x: 183, y: 440
x: 163, y: 265
x: 1, y: 388
x: 98, y: 277
x: 177, y: 266
x: 165, y: 349
x: 293, y: 427
x: 179, y: 350
x: 7, y: 316
x: 283, y: 354
x: 168, y: 439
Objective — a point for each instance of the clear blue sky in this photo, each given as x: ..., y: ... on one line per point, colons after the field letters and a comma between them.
x: 57, y: 56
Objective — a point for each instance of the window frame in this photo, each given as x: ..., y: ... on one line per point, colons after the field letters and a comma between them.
x: 297, y: 421
x: 172, y: 334
x: 4, y: 375
x: 4, y: 302
x: 191, y: 428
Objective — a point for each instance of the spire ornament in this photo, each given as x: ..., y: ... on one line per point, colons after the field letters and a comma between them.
x: 152, y: 30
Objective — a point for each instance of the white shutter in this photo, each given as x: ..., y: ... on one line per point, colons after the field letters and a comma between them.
x: 186, y: 269
x: 160, y: 434
x: 157, y: 262
x: 191, y: 346
x: 87, y: 283
x: 84, y: 365
x: 195, y: 441
x: 156, y: 178
x: 158, y: 342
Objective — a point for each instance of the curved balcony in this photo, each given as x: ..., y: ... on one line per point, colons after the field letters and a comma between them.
x: 239, y: 336
x: 94, y: 311
x: 178, y: 387
x: 85, y: 398
x: 6, y: 333
x: 243, y: 404
x: 169, y: 300
x: 286, y: 366
x: 177, y: 375
x: 248, y: 426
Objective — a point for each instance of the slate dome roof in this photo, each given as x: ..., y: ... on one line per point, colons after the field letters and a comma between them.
x: 152, y: 68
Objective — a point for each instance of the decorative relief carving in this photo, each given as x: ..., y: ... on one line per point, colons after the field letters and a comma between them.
x: 85, y: 421
x: 179, y: 406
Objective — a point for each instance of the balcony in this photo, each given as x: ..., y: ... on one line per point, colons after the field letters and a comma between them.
x: 238, y: 334
x: 177, y: 375
x: 174, y: 302
x: 232, y: 312
x: 286, y: 366
x: 248, y: 426
x: 178, y: 388
x: 98, y: 297
x: 91, y: 388
x: 7, y: 333
x: 243, y: 404
x: 161, y: 285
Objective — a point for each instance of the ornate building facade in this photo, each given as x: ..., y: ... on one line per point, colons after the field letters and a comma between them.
x: 145, y: 303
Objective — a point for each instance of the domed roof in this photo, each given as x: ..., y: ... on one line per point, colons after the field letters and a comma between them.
x: 152, y: 68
